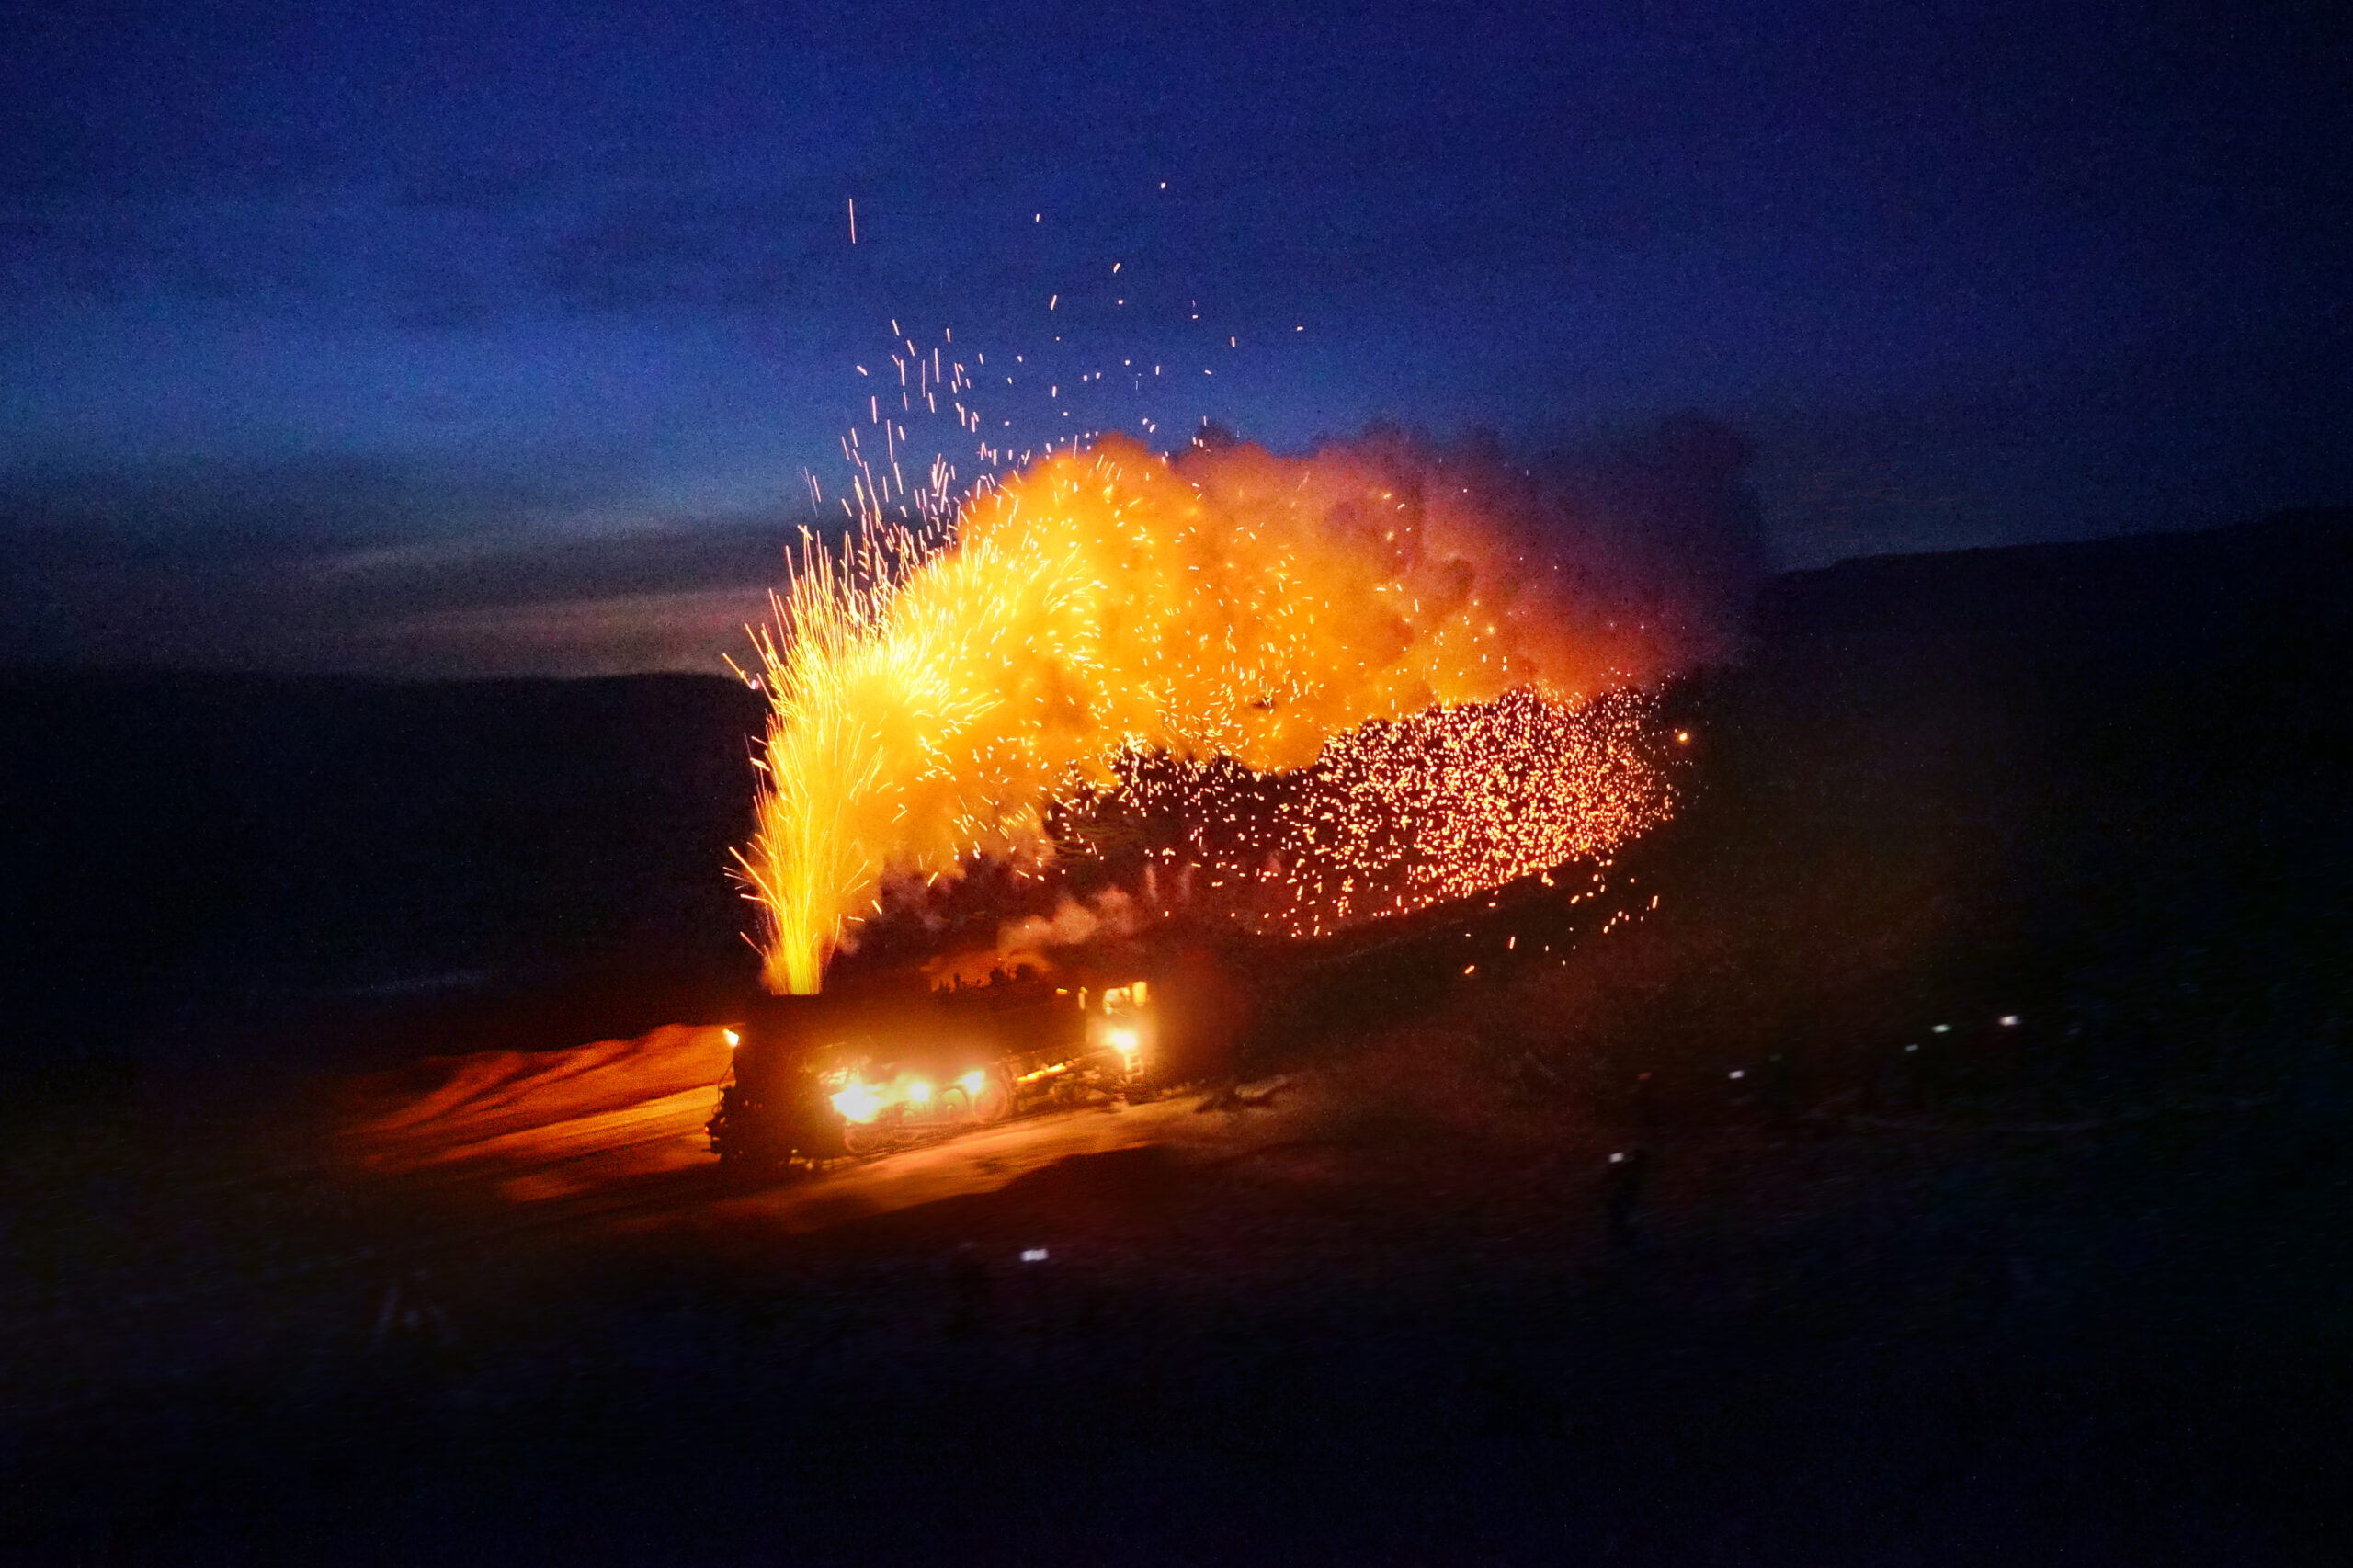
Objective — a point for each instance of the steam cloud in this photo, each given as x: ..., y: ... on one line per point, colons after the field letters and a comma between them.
x: 925, y: 706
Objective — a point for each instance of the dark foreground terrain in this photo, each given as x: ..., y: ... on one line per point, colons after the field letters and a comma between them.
x: 2066, y: 1288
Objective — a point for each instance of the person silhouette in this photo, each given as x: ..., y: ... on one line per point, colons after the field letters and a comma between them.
x: 1621, y: 1189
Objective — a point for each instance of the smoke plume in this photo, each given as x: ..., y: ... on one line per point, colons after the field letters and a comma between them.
x: 928, y: 704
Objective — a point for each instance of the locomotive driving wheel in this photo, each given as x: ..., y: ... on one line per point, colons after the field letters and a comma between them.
x: 994, y: 1101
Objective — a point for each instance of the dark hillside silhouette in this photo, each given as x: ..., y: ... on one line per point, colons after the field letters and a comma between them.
x: 198, y: 859
x: 1928, y: 770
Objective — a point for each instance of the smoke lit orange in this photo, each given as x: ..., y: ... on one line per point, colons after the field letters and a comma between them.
x: 928, y: 704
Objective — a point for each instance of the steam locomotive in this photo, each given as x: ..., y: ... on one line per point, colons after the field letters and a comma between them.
x: 888, y: 1061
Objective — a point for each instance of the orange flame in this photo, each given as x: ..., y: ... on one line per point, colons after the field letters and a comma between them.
x: 926, y: 704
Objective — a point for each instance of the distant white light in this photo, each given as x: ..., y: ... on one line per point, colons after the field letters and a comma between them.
x: 1911, y: 1048
x: 2009, y: 1020
x: 1944, y: 1029
x: 1615, y: 1158
x: 1033, y: 1255
x: 1738, y: 1074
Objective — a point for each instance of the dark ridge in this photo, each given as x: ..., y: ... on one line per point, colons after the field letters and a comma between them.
x: 201, y: 863
x: 207, y: 866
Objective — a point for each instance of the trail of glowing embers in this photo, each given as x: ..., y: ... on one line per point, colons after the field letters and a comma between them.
x: 1391, y: 817
x: 928, y: 699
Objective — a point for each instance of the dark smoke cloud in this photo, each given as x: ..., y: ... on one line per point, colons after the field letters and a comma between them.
x: 1655, y: 538
x: 1671, y: 524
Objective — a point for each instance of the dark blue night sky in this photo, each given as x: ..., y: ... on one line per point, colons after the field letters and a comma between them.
x: 466, y: 339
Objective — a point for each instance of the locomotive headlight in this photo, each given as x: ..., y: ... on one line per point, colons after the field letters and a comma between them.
x: 857, y: 1103
x: 1121, y: 1040
x: 973, y: 1081
x: 919, y: 1092
x: 732, y: 1038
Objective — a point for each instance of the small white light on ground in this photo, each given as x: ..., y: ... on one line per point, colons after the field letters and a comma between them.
x: 1615, y: 1158
x: 1944, y: 1029
x: 2009, y: 1020
x: 1911, y: 1048
x: 1738, y: 1074
x: 1033, y: 1255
